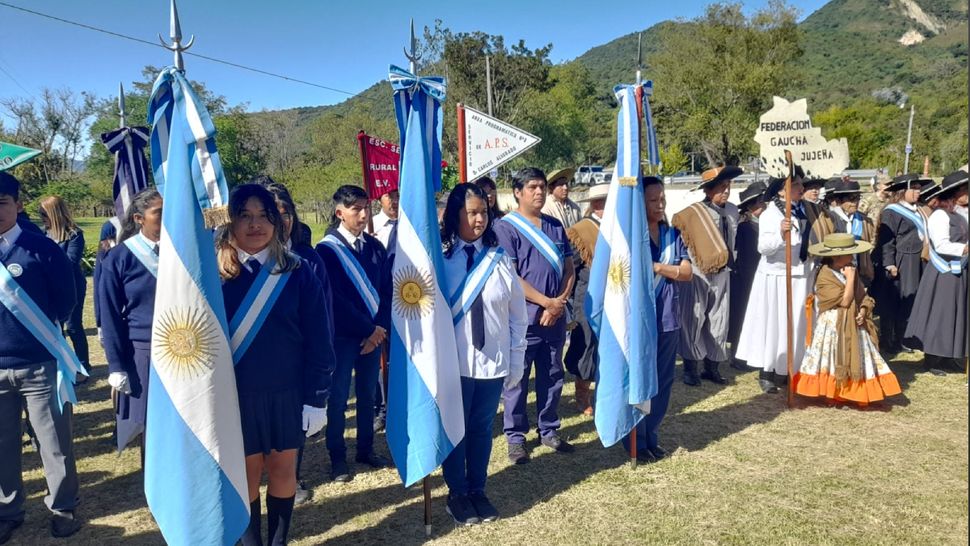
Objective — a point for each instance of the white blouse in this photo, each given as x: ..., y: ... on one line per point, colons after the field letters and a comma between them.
x: 939, y: 229
x: 771, y: 244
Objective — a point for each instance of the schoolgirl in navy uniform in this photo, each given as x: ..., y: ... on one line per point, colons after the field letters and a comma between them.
x: 491, y: 344
x: 60, y: 227
x: 126, y: 294
x: 358, y: 334
x: 298, y: 242
x: 283, y: 377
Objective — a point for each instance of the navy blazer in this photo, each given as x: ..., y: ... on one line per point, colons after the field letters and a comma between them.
x: 126, y: 296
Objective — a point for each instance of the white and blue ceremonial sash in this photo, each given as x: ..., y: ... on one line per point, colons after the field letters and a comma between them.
x: 856, y: 225
x: 138, y: 246
x: 255, y: 307
x: 913, y: 216
x: 355, y: 272
x: 954, y: 267
x: 668, y: 245
x: 23, y: 307
x: 541, y: 241
x: 474, y: 282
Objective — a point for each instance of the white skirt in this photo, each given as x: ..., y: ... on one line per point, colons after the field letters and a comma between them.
x: 763, y: 343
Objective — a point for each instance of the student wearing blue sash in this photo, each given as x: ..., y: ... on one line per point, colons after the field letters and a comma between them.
x: 298, y: 242
x: 939, y: 319
x: 282, y: 350
x: 538, y: 247
x: 34, y: 296
x: 360, y: 273
x: 490, y: 327
x: 901, y: 244
x: 127, y: 300
x: 60, y: 227
x: 671, y: 266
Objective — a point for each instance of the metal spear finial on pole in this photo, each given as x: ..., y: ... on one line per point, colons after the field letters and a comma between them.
x: 412, y: 56
x: 121, y: 106
x: 175, y: 33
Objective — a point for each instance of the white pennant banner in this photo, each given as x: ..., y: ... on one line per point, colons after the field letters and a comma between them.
x: 490, y: 142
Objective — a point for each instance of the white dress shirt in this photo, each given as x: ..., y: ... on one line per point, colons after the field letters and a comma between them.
x: 771, y: 243
x: 244, y: 257
x: 9, y: 237
x: 350, y: 237
x: 383, y: 226
x: 939, y: 230
x: 503, y: 303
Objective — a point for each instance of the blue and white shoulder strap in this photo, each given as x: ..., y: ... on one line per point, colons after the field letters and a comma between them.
x: 539, y: 240
x: 255, y: 307
x: 145, y: 254
x: 355, y: 272
x: 913, y: 216
x: 474, y: 282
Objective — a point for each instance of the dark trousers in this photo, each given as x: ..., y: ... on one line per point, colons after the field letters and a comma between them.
x: 647, y: 429
x: 466, y: 467
x: 35, y: 386
x: 546, y: 354
x: 75, y: 330
x: 365, y: 368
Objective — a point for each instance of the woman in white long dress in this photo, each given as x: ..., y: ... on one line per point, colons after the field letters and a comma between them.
x: 763, y: 342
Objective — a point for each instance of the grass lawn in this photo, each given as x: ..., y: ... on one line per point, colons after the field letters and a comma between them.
x: 744, y: 470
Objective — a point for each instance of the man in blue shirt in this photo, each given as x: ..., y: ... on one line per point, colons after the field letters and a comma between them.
x: 538, y: 247
x: 28, y: 371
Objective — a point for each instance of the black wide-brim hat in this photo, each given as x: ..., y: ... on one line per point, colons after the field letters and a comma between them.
x: 907, y: 181
x: 929, y: 192
x: 751, y: 194
x: 813, y: 183
x: 845, y: 187
x: 712, y: 177
x: 776, y: 184
x: 952, y: 184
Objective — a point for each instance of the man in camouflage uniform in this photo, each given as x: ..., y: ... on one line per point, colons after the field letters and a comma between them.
x: 873, y: 203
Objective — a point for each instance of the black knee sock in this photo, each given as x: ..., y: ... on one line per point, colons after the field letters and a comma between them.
x: 253, y: 534
x: 278, y: 513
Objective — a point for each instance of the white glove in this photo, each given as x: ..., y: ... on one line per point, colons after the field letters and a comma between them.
x: 514, y: 377
x: 644, y: 407
x: 119, y: 382
x: 314, y: 419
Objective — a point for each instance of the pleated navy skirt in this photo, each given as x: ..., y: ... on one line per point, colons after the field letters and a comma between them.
x: 271, y: 421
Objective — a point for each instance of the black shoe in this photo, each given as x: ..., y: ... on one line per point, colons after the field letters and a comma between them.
x: 373, y: 460
x: 690, y: 374
x: 379, y: 423
x: 64, y: 525
x: 518, y: 454
x: 486, y: 512
x: 935, y: 371
x: 557, y: 443
x: 7, y: 528
x: 767, y: 387
x: 657, y: 452
x: 340, y: 472
x: 461, y: 509
x: 302, y: 494
x: 645, y: 457
x: 712, y: 374
x: 739, y: 365
x: 781, y: 381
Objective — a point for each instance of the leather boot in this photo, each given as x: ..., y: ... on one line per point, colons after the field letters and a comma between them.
x: 690, y: 373
x: 711, y: 373
x: 764, y: 381
x: 582, y: 396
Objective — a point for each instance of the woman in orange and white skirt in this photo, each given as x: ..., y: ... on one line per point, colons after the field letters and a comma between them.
x: 843, y: 363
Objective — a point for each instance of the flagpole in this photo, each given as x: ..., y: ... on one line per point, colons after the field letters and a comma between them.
x: 639, y: 96
x: 790, y: 334
x: 462, y: 144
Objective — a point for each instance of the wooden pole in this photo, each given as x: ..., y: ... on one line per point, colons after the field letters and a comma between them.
x: 633, y: 447
x: 790, y: 337
x: 427, y: 506
x: 462, y: 145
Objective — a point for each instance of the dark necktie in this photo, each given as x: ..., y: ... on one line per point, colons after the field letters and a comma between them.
x: 253, y: 265
x: 358, y: 246
x: 478, y: 311
x: 155, y: 249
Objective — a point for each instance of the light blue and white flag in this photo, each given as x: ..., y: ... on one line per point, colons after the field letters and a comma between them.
x: 195, y: 470
x: 425, y: 420
x: 620, y: 299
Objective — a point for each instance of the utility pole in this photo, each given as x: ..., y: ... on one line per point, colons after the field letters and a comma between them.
x: 909, y: 138
x: 488, y: 83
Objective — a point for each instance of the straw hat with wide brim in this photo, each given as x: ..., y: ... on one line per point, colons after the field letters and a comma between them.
x: 839, y: 244
x: 560, y: 174
x: 599, y: 191
x: 712, y: 177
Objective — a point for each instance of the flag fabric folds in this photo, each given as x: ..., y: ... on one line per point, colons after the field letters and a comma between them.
x: 425, y: 420
x: 620, y: 298
x: 12, y: 155
x: 195, y: 472
x: 131, y: 168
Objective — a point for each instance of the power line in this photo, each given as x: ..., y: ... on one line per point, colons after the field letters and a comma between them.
x: 153, y: 44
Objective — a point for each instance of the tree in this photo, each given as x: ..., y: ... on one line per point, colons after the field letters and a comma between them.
x: 716, y: 75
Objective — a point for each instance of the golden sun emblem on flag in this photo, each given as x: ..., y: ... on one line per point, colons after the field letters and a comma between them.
x: 185, y: 342
x: 413, y: 292
x: 618, y: 274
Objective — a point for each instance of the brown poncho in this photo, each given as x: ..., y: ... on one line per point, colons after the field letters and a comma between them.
x: 702, y: 237
x: 582, y: 236
x: 828, y: 296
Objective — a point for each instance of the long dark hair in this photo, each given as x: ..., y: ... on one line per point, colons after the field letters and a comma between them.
x: 139, y: 204
x: 226, y: 254
x: 283, y: 197
x: 487, y: 184
x: 450, y: 220
x: 345, y: 195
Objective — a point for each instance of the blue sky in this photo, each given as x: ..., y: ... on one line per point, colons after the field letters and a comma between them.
x: 346, y: 45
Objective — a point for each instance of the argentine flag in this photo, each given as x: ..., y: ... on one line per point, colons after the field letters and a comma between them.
x: 620, y: 298
x: 425, y: 420
x: 195, y: 470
